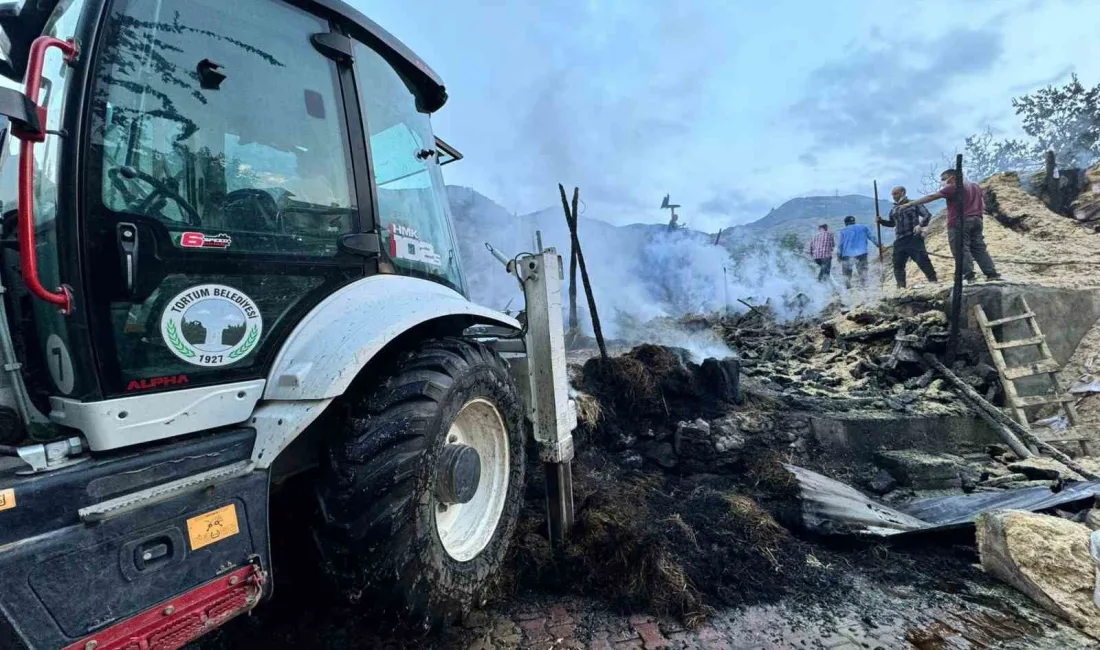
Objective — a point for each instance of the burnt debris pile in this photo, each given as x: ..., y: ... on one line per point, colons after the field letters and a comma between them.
x: 685, y: 496
x: 673, y: 545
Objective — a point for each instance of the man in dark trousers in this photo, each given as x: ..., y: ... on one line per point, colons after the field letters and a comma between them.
x: 852, y: 250
x: 970, y: 221
x: 909, y: 220
x: 821, y: 249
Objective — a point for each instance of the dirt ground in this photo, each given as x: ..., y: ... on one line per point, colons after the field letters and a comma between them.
x: 928, y: 596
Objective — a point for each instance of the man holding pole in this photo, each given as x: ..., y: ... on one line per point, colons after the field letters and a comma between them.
x: 852, y: 250
x: 973, y: 206
x: 909, y: 219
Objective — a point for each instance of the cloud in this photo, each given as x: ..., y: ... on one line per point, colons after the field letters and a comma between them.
x: 894, y: 95
x: 808, y: 159
x: 1031, y: 86
x: 734, y: 205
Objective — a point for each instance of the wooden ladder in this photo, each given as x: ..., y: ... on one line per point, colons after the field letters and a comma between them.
x: 1046, y: 365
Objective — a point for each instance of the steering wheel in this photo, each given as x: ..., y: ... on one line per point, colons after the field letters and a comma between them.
x: 251, y: 209
x: 159, y: 189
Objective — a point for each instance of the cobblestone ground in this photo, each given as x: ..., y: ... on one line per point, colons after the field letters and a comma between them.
x: 977, y: 617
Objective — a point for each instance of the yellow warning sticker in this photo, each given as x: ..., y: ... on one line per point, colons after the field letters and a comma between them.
x: 7, y: 499
x: 212, y: 527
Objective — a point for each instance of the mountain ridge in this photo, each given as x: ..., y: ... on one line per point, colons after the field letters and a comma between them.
x: 799, y: 215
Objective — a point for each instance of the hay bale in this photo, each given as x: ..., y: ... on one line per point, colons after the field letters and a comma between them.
x: 656, y: 543
x: 1046, y: 558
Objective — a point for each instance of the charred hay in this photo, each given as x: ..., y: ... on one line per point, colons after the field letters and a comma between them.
x: 672, y: 546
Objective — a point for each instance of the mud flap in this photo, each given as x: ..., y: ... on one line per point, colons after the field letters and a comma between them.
x: 65, y: 578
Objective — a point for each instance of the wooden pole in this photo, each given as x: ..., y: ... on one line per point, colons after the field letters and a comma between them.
x: 878, y: 225
x: 571, y: 221
x: 1050, y: 183
x: 960, y: 251
x: 573, y: 322
x: 1010, y: 430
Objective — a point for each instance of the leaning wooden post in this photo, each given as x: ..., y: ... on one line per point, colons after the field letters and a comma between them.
x: 1012, y: 432
x: 959, y: 252
x: 571, y: 221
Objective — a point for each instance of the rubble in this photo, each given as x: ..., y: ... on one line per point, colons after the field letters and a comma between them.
x: 1047, y: 469
x: 921, y: 471
x: 682, y: 491
x: 1046, y: 558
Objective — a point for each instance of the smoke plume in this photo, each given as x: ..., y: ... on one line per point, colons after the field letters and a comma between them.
x: 643, y: 276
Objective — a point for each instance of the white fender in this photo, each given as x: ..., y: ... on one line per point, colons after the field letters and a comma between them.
x: 344, y: 332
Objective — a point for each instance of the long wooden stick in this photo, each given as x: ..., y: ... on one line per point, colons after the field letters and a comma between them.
x: 957, y: 314
x: 878, y: 225
x: 571, y: 221
x: 573, y: 322
x: 1006, y: 427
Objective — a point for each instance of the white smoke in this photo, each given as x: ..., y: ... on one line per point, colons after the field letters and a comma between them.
x: 639, y: 273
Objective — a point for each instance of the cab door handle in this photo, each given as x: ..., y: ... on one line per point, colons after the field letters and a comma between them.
x: 127, y: 238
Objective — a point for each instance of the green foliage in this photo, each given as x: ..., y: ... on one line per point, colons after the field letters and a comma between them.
x: 985, y: 156
x: 1065, y: 119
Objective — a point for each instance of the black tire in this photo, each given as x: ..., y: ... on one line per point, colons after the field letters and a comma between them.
x: 379, y: 537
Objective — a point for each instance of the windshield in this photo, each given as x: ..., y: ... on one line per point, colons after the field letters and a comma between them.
x: 236, y: 135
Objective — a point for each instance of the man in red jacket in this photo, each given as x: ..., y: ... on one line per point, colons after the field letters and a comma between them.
x: 970, y: 221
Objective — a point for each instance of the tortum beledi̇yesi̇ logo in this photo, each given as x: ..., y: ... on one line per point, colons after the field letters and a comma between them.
x: 211, y: 325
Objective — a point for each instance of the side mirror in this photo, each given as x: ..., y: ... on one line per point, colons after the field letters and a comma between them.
x: 22, y: 115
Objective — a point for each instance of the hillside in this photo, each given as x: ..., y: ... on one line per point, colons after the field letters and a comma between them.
x: 802, y: 216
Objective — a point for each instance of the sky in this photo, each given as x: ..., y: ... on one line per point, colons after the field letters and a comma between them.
x: 731, y: 106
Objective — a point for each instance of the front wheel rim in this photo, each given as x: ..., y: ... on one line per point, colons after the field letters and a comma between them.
x: 465, y: 529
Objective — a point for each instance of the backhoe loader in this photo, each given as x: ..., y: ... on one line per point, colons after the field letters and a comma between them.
x: 228, y: 258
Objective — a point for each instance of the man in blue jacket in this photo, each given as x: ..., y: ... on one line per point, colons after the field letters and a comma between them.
x: 851, y: 250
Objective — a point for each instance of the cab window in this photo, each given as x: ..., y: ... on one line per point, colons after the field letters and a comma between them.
x: 221, y: 122
x: 412, y: 202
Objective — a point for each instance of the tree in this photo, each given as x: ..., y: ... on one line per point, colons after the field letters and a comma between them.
x: 1065, y: 119
x: 984, y: 156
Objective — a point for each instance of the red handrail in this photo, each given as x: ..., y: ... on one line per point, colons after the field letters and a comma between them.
x: 28, y: 258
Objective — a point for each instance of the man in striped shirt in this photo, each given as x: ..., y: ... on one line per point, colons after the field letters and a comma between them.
x: 821, y: 249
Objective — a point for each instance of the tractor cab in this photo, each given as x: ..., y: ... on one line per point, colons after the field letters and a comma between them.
x: 207, y: 173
